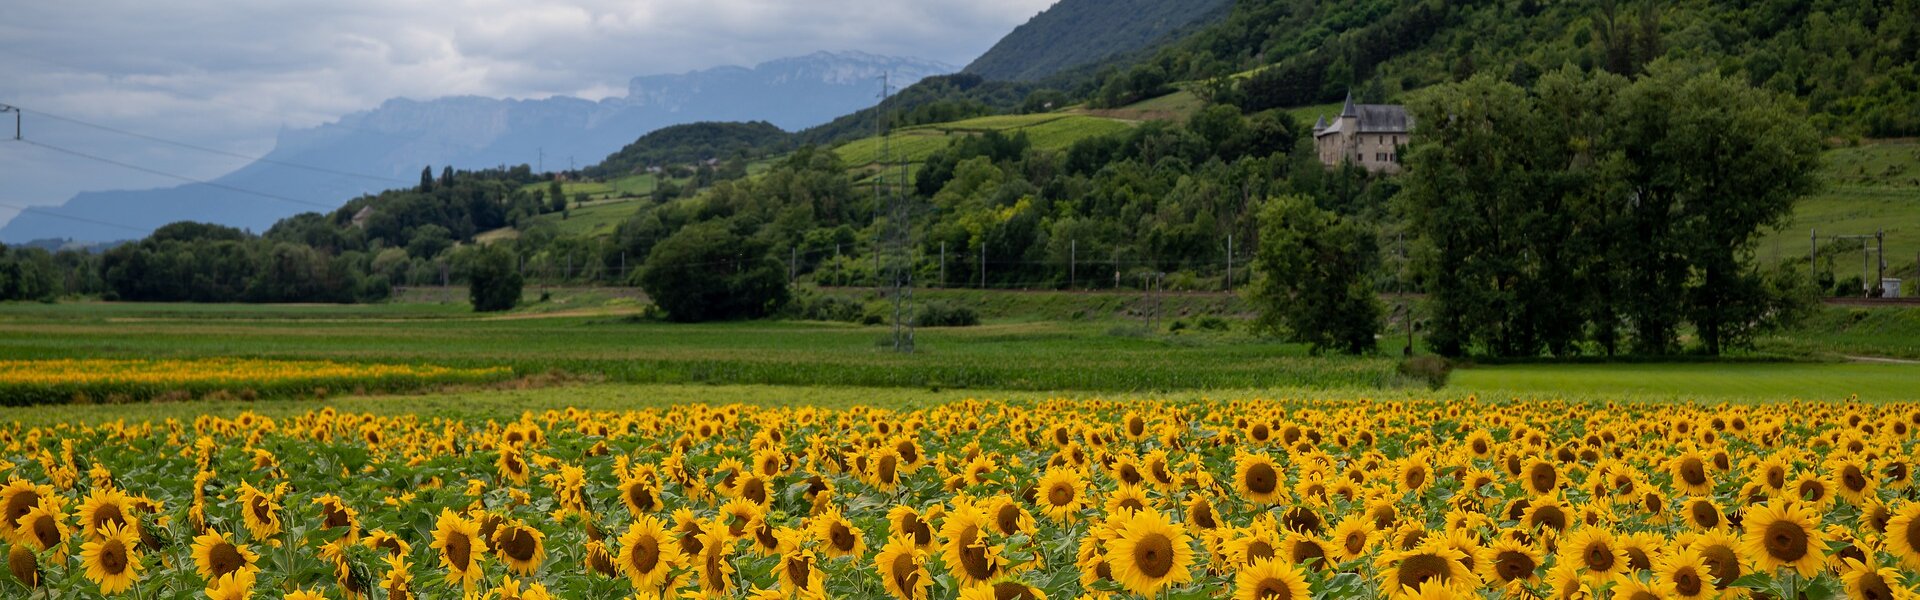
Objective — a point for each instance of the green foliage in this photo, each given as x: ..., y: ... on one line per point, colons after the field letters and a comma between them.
x: 1538, y: 211
x: 494, y: 281
x: 1080, y: 32
x: 693, y: 143
x: 706, y: 272
x: 1313, y: 277
x: 31, y: 274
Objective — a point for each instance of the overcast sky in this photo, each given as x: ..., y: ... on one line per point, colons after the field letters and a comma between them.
x: 228, y: 74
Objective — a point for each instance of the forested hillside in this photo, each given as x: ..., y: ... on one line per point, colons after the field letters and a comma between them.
x: 692, y: 143
x: 1852, y: 61
x: 1075, y: 33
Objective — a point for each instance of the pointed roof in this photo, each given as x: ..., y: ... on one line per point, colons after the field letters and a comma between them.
x: 1320, y: 123
x: 1348, y: 110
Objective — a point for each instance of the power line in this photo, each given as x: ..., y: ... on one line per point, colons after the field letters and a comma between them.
x: 179, y: 177
x: 209, y: 150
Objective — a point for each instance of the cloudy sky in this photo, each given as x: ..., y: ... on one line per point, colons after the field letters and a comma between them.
x: 226, y: 75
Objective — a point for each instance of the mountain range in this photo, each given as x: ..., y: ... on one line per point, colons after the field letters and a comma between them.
x: 316, y: 169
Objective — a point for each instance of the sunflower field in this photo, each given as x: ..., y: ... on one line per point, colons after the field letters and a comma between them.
x: 52, y: 381
x: 1088, y: 498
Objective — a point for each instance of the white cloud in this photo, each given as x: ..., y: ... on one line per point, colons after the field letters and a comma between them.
x: 228, y: 74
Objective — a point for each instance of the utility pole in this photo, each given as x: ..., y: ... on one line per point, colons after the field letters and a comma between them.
x: 793, y: 259
x: 543, y: 160
x: 1073, y: 262
x: 16, y: 118
x: 983, y: 263
x: 1229, y: 262
x: 1880, y: 256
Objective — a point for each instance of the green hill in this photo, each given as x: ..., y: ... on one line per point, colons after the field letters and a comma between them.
x: 1049, y: 131
x: 1075, y: 33
x: 693, y: 143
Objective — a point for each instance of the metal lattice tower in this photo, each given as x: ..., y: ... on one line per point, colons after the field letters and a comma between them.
x: 897, y: 249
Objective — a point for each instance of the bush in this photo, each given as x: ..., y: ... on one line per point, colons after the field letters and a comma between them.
x: 1211, y: 323
x: 825, y: 307
x: 706, y: 272
x: 494, y: 284
x: 1431, y: 370
x: 940, y: 313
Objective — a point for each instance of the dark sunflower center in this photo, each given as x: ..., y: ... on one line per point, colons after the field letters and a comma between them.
x: 108, y: 514
x: 1786, y: 541
x: 459, y: 550
x: 261, y: 510
x: 1356, y: 543
x: 113, y: 556
x: 799, y: 568
x: 1912, y: 533
x: 519, y: 544
x: 1551, y: 517
x: 1512, y: 565
x: 21, y: 504
x: 1258, y: 550
x: 1873, y: 587
x: 843, y: 539
x: 1272, y: 588
x: 1722, y: 563
x: 1421, y: 568
x: 1203, y: 516
x: 973, y: 558
x: 1305, y: 551
x: 1687, y: 582
x: 904, y: 572
x: 1153, y: 554
x: 1060, y: 494
x: 1543, y: 476
x: 1261, y: 479
x: 1705, y: 515
x: 224, y: 559
x: 690, y: 544
x: 645, y: 554
x: 641, y: 497
x: 1853, y: 478
x: 1013, y: 591
x: 1693, y: 472
x: 1302, y: 519
x: 888, y: 467
x: 1415, y: 477
x: 754, y: 490
x: 1638, y: 560
x: 1599, y: 558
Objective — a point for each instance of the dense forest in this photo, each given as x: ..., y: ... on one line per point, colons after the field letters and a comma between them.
x: 1074, y: 33
x: 694, y: 143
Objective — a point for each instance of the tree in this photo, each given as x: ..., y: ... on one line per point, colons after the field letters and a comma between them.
x: 706, y: 272
x: 426, y: 179
x: 1313, y: 277
x: 494, y: 284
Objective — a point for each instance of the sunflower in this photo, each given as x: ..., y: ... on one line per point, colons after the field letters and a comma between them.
x: 1546, y: 512
x: 965, y: 549
x: 647, y: 555
x: 1600, y: 559
x: 1812, y: 489
x: 398, y: 582
x: 215, y: 555
x: 799, y: 569
x: 903, y: 568
x: 885, y: 466
x: 1509, y: 561
x: 1061, y: 494
x: 1258, y: 479
x: 1685, y: 575
x: 461, y: 549
x: 1306, y: 551
x: 904, y: 521
x: 1540, y: 477
x: 1865, y: 581
x: 1353, y: 538
x: 1690, y: 473
x: 381, y: 539
x: 522, y: 547
x: 1903, y: 535
x: 1128, y: 498
x: 711, y: 565
x: 1407, y: 570
x: 1784, y: 534
x: 43, y: 527
x: 260, y: 512
x: 1702, y: 514
x: 237, y: 585
x: 1643, y: 548
x: 640, y: 496
x: 106, y: 506
x: 1002, y: 590
x: 335, y: 514
x: 1270, y: 580
x: 1721, y: 554
x: 1855, y: 480
x: 23, y: 565
x: 837, y: 535
x: 111, y: 561
x: 1149, y: 552
x: 17, y: 499
x: 512, y: 466
x: 1252, y: 544
x: 1415, y: 473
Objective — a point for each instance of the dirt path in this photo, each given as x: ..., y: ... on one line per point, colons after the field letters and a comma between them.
x: 1882, y: 361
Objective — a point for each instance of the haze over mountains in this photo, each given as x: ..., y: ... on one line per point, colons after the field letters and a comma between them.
x: 387, y: 146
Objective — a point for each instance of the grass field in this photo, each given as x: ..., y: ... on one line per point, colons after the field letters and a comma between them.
x: 1048, y: 131
x: 594, y: 219
x: 1003, y: 355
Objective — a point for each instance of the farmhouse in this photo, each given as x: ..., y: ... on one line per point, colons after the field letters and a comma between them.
x: 1369, y: 135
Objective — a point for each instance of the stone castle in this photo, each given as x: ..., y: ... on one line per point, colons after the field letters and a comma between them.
x: 1368, y: 135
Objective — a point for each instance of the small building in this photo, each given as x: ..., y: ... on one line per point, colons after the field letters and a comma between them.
x: 1368, y: 135
x: 1889, y: 288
